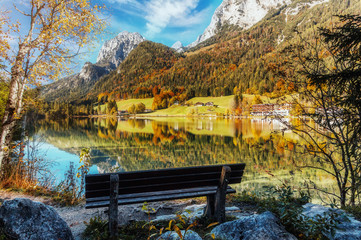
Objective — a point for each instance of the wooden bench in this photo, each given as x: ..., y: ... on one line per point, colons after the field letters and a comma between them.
x: 113, y: 189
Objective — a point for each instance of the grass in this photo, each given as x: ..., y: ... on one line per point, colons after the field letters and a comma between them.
x: 59, y: 198
x: 171, y: 111
x: 222, y: 104
x: 125, y: 104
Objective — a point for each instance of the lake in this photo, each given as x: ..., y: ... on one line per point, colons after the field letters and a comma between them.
x: 269, y: 151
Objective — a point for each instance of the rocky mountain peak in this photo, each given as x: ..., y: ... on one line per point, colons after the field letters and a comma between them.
x: 242, y: 13
x: 112, y: 53
x: 115, y: 50
x: 178, y: 46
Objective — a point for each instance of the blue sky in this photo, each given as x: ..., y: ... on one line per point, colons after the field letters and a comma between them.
x: 163, y: 21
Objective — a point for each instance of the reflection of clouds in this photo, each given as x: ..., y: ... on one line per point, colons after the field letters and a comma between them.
x: 269, y: 125
x: 110, y: 166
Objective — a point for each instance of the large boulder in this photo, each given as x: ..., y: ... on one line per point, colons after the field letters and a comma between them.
x: 24, y: 219
x: 348, y: 228
x: 263, y: 226
x: 189, y: 235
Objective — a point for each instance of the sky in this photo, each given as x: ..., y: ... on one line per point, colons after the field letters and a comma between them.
x: 163, y: 21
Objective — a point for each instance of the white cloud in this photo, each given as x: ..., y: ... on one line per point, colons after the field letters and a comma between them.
x: 192, y: 19
x: 162, y: 13
x: 158, y: 15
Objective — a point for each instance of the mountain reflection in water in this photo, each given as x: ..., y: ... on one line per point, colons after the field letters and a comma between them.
x: 269, y: 151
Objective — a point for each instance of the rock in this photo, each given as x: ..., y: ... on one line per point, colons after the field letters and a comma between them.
x: 24, y: 219
x: 194, y: 211
x: 178, y: 46
x: 117, y: 49
x: 165, y: 217
x: 190, y: 235
x: 191, y: 212
x: 241, y: 13
x: 348, y: 229
x: 232, y: 209
x: 263, y: 226
x: 78, y: 85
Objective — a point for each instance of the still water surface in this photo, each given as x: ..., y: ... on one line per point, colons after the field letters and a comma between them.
x: 269, y: 151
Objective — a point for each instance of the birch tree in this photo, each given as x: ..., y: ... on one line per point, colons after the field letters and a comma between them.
x: 55, y: 32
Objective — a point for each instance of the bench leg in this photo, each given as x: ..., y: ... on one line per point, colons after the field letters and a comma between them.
x: 209, y: 210
x: 113, y: 206
x: 220, y: 199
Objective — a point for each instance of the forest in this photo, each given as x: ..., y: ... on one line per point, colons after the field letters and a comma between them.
x: 232, y: 62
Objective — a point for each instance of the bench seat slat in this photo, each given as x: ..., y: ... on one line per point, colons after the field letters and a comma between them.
x: 144, y: 194
x: 159, y: 187
x: 155, y: 198
x: 162, y: 172
x: 156, y: 180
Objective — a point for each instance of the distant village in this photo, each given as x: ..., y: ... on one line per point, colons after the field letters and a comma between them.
x: 271, y: 109
x: 262, y: 110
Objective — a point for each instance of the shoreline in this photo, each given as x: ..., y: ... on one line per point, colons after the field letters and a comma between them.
x: 145, y: 116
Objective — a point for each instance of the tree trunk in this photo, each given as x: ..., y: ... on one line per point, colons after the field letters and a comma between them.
x: 343, y: 198
x: 12, y: 114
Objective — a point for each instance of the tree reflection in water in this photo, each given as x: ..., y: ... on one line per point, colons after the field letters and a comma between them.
x: 140, y: 144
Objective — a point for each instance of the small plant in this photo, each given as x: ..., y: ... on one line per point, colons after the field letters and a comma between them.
x: 70, y: 191
x: 67, y: 189
x: 182, y: 222
x: 151, y: 227
x: 354, y: 210
x: 96, y: 229
x: 319, y: 227
x: 84, y: 168
x: 2, y: 234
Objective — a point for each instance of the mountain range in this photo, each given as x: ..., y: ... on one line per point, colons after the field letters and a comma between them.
x: 232, y: 53
x: 111, y: 54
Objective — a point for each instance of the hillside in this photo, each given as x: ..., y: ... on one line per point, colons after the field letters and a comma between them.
x: 74, y: 88
x: 230, y: 59
x: 231, y: 62
x: 148, y: 61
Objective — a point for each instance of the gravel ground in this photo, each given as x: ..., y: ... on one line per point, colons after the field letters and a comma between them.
x: 77, y: 216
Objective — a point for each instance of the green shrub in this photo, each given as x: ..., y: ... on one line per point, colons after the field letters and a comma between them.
x: 96, y: 229
x: 354, y: 210
x: 288, y: 208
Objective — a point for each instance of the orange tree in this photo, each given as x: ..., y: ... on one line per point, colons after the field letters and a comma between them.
x: 55, y: 33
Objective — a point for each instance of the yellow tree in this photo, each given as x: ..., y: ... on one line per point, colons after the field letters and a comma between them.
x: 55, y: 32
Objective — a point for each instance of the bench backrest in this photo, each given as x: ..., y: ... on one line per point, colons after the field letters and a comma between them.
x: 97, y: 185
